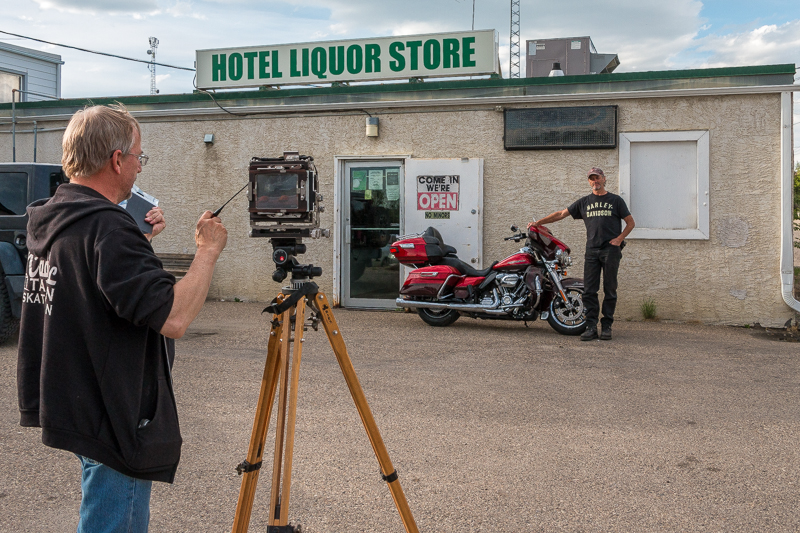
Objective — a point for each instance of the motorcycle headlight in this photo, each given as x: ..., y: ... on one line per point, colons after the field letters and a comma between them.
x: 563, y: 258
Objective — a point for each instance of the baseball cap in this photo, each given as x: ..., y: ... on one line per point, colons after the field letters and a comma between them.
x: 595, y: 170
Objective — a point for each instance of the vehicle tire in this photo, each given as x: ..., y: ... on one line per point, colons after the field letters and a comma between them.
x: 565, y: 321
x: 437, y: 318
x: 8, y: 324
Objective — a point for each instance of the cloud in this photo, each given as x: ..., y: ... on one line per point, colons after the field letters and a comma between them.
x: 416, y: 27
x: 184, y: 9
x: 645, y: 33
x: 765, y: 45
x: 99, y: 6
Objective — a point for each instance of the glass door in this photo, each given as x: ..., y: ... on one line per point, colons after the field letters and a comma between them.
x: 371, y: 211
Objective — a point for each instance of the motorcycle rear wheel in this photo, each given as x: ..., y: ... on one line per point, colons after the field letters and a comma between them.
x: 437, y: 318
x: 562, y: 319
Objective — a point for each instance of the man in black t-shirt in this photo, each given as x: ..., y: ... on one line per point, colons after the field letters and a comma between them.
x: 603, y: 213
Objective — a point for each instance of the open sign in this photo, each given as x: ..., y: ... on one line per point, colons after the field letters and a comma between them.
x: 437, y: 193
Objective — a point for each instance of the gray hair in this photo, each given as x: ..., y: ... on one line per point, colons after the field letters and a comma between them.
x: 93, y: 135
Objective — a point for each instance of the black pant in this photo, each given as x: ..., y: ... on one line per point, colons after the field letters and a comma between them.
x: 605, y: 260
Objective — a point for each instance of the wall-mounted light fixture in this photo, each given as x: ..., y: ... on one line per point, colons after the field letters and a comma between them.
x: 208, y: 138
x: 372, y: 126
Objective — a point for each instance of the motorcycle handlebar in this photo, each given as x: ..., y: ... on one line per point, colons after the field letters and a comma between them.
x: 518, y: 237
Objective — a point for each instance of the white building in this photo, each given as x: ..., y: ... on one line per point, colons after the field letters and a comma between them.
x: 703, y: 158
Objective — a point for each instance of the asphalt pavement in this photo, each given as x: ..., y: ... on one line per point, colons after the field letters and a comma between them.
x: 492, y: 426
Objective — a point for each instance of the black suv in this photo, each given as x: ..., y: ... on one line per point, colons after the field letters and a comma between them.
x: 20, y: 184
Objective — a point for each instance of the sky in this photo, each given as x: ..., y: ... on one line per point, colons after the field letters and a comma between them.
x: 646, y: 34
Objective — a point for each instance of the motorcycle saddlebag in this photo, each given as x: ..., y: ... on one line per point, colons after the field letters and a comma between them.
x: 417, y: 250
x: 428, y: 281
x: 462, y: 289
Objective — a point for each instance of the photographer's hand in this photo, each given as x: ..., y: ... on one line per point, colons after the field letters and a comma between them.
x: 155, y: 217
x: 210, y: 234
x: 191, y: 291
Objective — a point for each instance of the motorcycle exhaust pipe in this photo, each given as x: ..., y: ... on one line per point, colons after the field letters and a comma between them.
x: 469, y: 308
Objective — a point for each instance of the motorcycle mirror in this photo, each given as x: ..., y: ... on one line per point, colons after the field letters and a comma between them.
x: 514, y: 228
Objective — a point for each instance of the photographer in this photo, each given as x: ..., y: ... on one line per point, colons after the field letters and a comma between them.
x: 98, y: 316
x: 603, y: 213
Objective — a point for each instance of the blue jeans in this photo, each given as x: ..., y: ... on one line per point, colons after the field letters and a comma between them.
x: 112, y: 502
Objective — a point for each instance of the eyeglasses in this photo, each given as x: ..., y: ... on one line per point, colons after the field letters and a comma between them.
x: 593, y: 177
x: 143, y: 159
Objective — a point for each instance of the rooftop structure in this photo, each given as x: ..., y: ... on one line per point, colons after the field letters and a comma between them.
x: 35, y: 74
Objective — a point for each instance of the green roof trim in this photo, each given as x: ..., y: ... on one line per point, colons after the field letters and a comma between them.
x: 726, y: 72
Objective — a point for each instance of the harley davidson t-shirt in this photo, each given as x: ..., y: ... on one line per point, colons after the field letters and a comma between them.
x: 603, y: 217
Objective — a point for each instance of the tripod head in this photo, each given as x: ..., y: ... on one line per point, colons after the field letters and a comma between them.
x: 284, y: 252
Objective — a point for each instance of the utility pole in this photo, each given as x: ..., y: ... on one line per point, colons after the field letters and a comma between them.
x: 152, y: 65
x: 513, y: 67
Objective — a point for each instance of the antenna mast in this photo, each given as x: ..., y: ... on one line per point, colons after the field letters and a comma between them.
x: 513, y: 67
x: 152, y: 65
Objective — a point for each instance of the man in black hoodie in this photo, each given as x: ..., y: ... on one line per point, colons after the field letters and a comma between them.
x: 98, y: 317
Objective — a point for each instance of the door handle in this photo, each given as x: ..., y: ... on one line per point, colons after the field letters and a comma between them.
x: 347, y: 234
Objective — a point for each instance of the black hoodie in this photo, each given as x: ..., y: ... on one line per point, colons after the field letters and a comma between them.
x: 93, y: 369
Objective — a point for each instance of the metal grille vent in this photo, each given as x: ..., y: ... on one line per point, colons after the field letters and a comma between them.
x: 552, y: 128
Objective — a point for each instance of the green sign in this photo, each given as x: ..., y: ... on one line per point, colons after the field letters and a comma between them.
x: 384, y: 58
x: 437, y: 215
x: 359, y: 180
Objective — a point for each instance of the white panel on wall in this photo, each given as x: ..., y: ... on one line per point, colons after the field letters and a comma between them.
x: 663, y: 176
x: 664, y: 191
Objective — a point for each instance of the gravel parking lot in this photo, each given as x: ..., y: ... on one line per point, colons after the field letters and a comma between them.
x: 492, y: 427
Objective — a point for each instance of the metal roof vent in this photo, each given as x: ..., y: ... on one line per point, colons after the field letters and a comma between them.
x: 556, y: 71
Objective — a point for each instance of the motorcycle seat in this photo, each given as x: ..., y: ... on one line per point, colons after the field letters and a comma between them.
x: 446, y: 249
x: 464, y: 268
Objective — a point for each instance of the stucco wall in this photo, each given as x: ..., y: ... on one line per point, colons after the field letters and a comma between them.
x: 732, y: 278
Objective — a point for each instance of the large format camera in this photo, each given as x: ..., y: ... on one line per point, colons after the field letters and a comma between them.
x: 284, y: 197
x: 284, y: 206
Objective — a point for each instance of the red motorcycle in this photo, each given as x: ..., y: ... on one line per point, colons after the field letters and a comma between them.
x: 526, y: 285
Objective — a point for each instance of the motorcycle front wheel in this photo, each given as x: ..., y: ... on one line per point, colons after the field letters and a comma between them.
x: 566, y: 321
x: 437, y: 318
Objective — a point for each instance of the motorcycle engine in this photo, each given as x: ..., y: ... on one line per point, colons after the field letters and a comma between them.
x: 508, y: 280
x: 511, y: 288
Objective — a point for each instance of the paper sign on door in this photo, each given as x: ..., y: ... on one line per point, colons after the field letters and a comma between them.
x: 437, y: 193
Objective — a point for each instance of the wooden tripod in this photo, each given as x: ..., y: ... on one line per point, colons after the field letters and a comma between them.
x: 277, y: 368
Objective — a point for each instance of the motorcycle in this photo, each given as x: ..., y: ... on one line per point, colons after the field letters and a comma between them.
x: 529, y: 284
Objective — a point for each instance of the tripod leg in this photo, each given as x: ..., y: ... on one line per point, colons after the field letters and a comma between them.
x: 269, y: 384
x: 287, y: 464
x: 388, y: 471
x: 275, y: 502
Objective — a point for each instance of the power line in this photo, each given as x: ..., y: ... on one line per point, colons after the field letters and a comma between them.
x: 98, y: 53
